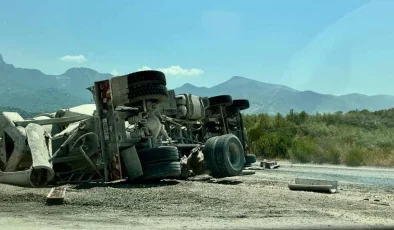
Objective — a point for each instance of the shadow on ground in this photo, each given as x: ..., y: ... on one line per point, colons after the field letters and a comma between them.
x: 208, y: 179
x: 127, y: 184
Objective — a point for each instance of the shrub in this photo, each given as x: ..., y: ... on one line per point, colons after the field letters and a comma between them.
x: 354, y: 138
x: 302, y: 150
x: 355, y: 157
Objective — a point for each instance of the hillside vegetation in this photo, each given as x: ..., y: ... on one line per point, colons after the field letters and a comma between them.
x: 354, y: 138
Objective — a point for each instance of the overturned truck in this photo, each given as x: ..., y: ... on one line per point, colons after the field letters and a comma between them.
x: 137, y: 130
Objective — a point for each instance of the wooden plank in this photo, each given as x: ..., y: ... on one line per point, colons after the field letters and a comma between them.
x: 56, y: 196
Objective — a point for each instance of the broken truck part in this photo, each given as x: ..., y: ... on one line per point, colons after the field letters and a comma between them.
x: 314, y: 185
x: 136, y: 130
x: 269, y: 164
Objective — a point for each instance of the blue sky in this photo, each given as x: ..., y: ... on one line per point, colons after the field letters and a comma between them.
x: 328, y: 46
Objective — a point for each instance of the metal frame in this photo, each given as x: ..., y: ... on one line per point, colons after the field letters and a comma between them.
x: 109, y: 143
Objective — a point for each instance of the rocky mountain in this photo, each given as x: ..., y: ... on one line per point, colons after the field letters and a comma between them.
x: 271, y: 98
x: 34, y: 91
x: 23, y: 113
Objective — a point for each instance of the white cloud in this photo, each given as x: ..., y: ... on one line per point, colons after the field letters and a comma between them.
x: 115, y: 73
x: 74, y: 58
x: 176, y: 71
x: 144, y: 68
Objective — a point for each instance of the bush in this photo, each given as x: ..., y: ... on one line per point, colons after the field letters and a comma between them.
x: 302, y: 150
x: 355, y: 157
x: 333, y: 155
x: 340, y: 138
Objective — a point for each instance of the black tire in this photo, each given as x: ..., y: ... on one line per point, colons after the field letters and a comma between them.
x: 146, y: 77
x: 241, y: 104
x: 250, y: 159
x: 162, y: 170
x: 209, y: 155
x: 158, y: 155
x: 223, y: 100
x: 147, y: 92
x: 229, y: 156
x: 205, y: 101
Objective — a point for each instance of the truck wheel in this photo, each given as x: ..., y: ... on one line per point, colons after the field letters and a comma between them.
x: 242, y: 104
x: 162, y: 170
x: 146, y: 77
x: 223, y: 100
x: 138, y: 93
x: 158, y: 155
x: 209, y: 155
x: 229, y: 157
x: 250, y: 159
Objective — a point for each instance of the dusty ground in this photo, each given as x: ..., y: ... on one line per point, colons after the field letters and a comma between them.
x: 262, y: 200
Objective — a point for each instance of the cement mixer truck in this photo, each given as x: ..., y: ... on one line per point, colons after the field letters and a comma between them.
x: 137, y: 130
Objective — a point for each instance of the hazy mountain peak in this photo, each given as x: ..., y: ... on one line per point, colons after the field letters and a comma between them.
x: 35, y: 91
x: 79, y: 71
x: 239, y: 78
x: 188, y: 85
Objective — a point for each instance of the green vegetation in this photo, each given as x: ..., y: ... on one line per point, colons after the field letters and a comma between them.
x: 355, y: 138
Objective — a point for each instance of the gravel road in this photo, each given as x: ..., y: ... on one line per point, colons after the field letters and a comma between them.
x: 262, y: 200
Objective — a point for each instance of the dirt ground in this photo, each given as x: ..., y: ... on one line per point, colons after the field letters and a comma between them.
x: 263, y: 200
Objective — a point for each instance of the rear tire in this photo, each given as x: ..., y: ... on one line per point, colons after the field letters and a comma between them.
x: 250, y: 159
x: 209, y: 155
x: 158, y: 155
x: 156, y: 93
x: 146, y: 77
x: 226, y: 158
x: 241, y: 104
x: 221, y: 100
x: 162, y: 170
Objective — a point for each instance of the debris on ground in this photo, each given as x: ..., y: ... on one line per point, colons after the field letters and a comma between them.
x: 269, y: 164
x: 56, y: 196
x: 247, y: 172
x: 313, y: 185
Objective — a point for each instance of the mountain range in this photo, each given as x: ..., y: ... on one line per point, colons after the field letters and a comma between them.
x: 34, y: 91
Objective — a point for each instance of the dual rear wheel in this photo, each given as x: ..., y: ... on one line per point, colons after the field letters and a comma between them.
x: 224, y: 156
x: 160, y: 163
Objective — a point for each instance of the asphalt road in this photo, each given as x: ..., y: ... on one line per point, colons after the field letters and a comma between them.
x: 262, y: 200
